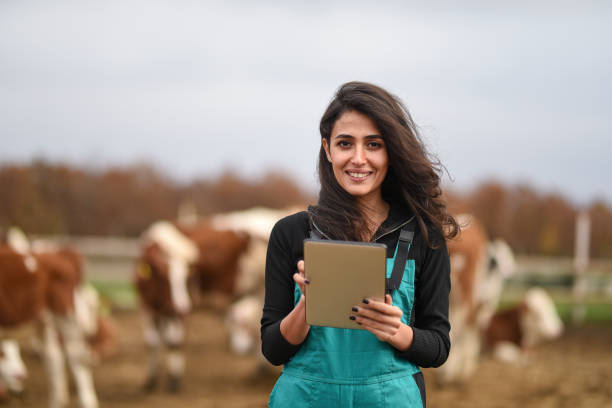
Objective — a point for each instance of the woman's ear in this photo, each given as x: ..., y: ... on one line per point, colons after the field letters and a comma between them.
x: 326, y: 147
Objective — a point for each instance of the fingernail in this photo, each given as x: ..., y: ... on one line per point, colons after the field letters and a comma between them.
x: 354, y: 309
x: 352, y: 317
x: 366, y: 301
x: 306, y: 281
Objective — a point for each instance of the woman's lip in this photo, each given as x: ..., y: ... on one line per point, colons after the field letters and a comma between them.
x: 362, y: 175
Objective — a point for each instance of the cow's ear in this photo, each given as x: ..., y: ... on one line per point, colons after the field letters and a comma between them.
x: 144, y: 271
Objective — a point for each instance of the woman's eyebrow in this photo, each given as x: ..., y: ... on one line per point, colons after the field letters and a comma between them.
x: 347, y: 136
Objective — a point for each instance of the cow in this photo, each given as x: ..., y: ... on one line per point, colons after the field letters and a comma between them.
x: 40, y: 287
x: 478, y: 270
x: 513, y: 332
x: 179, y: 264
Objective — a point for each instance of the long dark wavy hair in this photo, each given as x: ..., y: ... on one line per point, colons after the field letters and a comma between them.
x: 413, y: 175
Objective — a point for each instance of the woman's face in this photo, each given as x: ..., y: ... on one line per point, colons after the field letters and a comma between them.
x: 358, y: 155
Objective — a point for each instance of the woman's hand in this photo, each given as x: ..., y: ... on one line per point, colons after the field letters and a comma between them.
x: 384, y: 321
x: 293, y: 327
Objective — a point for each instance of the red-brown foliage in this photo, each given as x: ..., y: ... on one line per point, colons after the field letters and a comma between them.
x: 42, y: 197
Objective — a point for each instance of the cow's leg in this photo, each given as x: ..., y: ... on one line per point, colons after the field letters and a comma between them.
x: 153, y: 341
x: 471, y: 353
x: 13, y: 372
x: 79, y: 360
x: 54, y: 363
x: 174, y: 333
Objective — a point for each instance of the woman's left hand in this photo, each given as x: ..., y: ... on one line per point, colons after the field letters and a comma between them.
x: 384, y: 321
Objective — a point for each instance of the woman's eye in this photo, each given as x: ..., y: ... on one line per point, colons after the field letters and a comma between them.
x: 344, y: 143
x: 374, y: 145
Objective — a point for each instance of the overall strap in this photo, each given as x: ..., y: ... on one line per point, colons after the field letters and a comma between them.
x: 403, y: 246
x: 314, y: 234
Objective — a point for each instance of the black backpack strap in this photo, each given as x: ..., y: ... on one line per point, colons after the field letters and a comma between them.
x: 403, y: 246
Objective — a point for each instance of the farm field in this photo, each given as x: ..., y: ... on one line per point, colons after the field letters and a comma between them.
x: 573, y: 371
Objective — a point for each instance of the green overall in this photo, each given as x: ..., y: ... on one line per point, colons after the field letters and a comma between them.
x: 351, y: 368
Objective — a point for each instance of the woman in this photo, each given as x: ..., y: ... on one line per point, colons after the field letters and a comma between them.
x: 378, y: 184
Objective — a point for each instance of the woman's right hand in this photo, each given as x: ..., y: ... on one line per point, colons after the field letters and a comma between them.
x: 294, y: 327
x: 300, y: 277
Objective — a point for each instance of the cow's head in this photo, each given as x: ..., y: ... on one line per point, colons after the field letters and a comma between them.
x: 162, y: 290
x: 163, y: 273
x: 501, y: 259
x: 540, y: 320
x: 13, y: 372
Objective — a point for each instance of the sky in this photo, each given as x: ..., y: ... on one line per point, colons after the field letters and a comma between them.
x: 512, y: 91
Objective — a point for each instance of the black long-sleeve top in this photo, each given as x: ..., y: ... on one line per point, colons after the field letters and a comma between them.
x: 429, y: 319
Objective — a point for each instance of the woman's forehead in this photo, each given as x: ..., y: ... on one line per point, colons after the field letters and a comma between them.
x: 353, y: 123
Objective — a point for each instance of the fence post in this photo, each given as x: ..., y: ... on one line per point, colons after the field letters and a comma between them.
x: 581, y: 262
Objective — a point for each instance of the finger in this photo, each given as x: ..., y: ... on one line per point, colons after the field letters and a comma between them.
x: 388, y: 299
x: 300, y: 266
x: 377, y: 317
x: 299, y: 278
x: 381, y: 307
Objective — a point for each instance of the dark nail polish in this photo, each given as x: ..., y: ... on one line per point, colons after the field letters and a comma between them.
x: 354, y: 309
x: 352, y: 317
x: 366, y: 301
x: 306, y: 281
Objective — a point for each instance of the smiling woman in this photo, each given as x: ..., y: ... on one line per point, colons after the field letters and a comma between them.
x: 378, y: 184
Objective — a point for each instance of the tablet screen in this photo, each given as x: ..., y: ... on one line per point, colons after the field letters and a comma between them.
x: 341, y: 274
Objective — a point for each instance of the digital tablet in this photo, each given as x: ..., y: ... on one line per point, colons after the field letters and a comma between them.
x: 341, y: 275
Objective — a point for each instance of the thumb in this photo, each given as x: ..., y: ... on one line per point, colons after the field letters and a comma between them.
x: 388, y: 299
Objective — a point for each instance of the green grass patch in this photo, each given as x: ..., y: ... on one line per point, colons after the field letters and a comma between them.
x: 596, y: 312
x: 120, y: 294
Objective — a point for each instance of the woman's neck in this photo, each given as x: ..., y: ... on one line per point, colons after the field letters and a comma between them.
x: 374, y: 211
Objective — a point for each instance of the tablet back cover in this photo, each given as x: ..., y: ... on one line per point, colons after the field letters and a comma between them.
x: 341, y: 274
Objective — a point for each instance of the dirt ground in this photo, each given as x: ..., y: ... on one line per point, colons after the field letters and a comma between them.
x: 575, y: 371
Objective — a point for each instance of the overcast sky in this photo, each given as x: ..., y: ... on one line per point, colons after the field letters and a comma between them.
x: 517, y: 92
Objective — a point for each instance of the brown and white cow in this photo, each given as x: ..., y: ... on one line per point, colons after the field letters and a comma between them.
x: 513, y: 332
x: 179, y: 265
x: 40, y: 287
x: 478, y: 271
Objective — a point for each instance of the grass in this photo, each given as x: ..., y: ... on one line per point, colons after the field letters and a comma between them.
x: 598, y: 310
x: 120, y: 294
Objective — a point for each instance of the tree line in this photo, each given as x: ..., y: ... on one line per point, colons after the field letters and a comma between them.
x: 54, y: 198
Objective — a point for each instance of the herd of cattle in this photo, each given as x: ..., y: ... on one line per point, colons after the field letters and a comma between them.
x: 219, y: 262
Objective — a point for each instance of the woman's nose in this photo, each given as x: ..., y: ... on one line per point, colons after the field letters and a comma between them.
x: 359, y: 158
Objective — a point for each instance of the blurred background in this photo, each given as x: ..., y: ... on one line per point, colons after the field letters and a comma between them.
x: 117, y: 114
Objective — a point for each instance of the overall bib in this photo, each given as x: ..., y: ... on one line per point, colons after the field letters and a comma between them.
x: 351, y: 368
